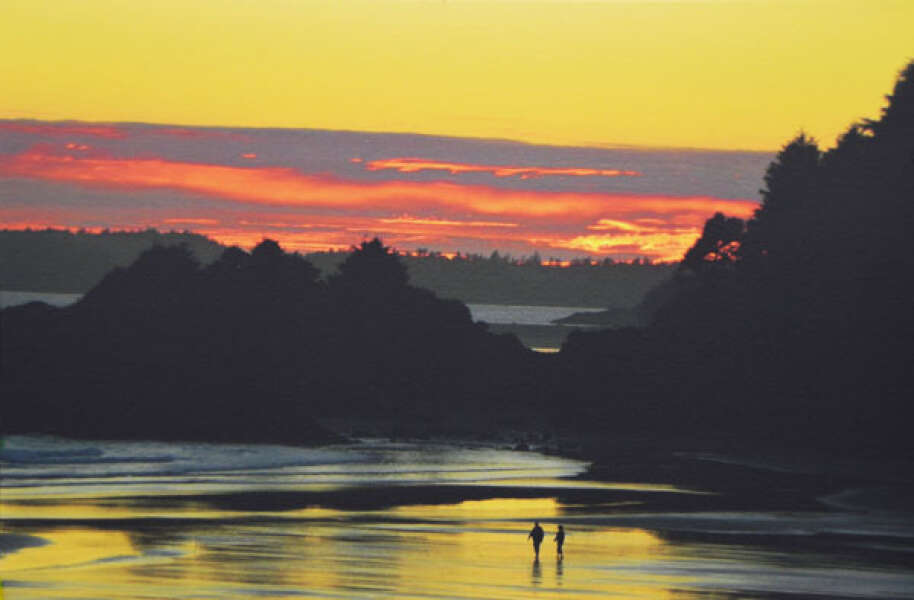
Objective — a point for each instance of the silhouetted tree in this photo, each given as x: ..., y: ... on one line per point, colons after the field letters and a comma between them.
x: 897, y: 120
x: 372, y: 269
x: 790, y: 181
x: 719, y: 243
x: 157, y: 281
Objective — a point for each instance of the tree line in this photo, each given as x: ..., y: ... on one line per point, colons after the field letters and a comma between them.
x: 56, y: 260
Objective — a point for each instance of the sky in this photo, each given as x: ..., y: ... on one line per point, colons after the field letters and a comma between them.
x: 609, y: 128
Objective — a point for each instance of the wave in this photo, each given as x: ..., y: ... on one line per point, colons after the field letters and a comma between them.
x: 32, y: 461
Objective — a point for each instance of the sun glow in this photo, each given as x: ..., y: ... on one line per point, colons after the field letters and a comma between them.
x: 671, y: 74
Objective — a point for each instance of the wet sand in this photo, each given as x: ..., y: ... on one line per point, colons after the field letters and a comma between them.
x: 97, y: 538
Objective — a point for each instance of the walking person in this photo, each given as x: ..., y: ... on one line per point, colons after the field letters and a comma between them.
x: 559, y: 541
x: 536, y: 534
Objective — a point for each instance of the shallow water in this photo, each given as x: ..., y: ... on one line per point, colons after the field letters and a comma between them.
x: 382, y: 520
x: 15, y: 298
x: 511, y: 314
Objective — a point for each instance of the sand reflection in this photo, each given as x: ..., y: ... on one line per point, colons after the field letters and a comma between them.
x: 403, y: 521
x: 474, y: 549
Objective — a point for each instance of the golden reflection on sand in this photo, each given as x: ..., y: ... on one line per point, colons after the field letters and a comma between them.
x: 499, y: 508
x: 112, y: 509
x: 68, y: 547
x: 473, y: 549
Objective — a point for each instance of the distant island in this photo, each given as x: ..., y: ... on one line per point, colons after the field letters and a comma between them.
x: 73, y: 262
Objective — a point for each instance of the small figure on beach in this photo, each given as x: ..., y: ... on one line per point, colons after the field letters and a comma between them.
x: 536, y: 534
x: 559, y: 541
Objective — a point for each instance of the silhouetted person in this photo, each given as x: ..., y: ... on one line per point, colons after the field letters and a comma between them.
x: 559, y: 541
x: 536, y: 534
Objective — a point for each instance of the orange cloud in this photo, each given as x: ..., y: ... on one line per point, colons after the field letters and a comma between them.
x: 612, y: 224
x: 285, y: 186
x: 280, y: 203
x: 445, y: 222
x: 191, y: 221
x: 415, y: 165
x: 660, y: 245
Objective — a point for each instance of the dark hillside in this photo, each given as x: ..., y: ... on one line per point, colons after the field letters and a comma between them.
x: 251, y: 348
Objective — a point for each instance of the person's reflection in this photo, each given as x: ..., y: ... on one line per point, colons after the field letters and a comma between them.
x: 559, y: 570
x: 536, y: 575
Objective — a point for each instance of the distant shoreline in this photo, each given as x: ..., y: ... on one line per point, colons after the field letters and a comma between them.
x: 61, y: 261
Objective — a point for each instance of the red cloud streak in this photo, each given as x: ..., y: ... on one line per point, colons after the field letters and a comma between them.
x: 415, y: 165
x: 284, y: 186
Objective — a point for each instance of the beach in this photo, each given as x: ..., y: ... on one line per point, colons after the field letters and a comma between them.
x: 382, y: 519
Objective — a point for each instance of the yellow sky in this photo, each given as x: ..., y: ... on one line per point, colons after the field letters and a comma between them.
x: 739, y: 74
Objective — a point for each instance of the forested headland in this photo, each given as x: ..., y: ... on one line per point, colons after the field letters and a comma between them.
x: 796, y: 325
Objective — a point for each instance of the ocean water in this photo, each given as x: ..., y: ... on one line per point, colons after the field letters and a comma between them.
x: 511, y: 314
x: 14, y: 298
x: 377, y: 519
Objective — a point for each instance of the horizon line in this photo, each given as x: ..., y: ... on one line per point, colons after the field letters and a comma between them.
x: 494, y: 140
x: 99, y: 230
